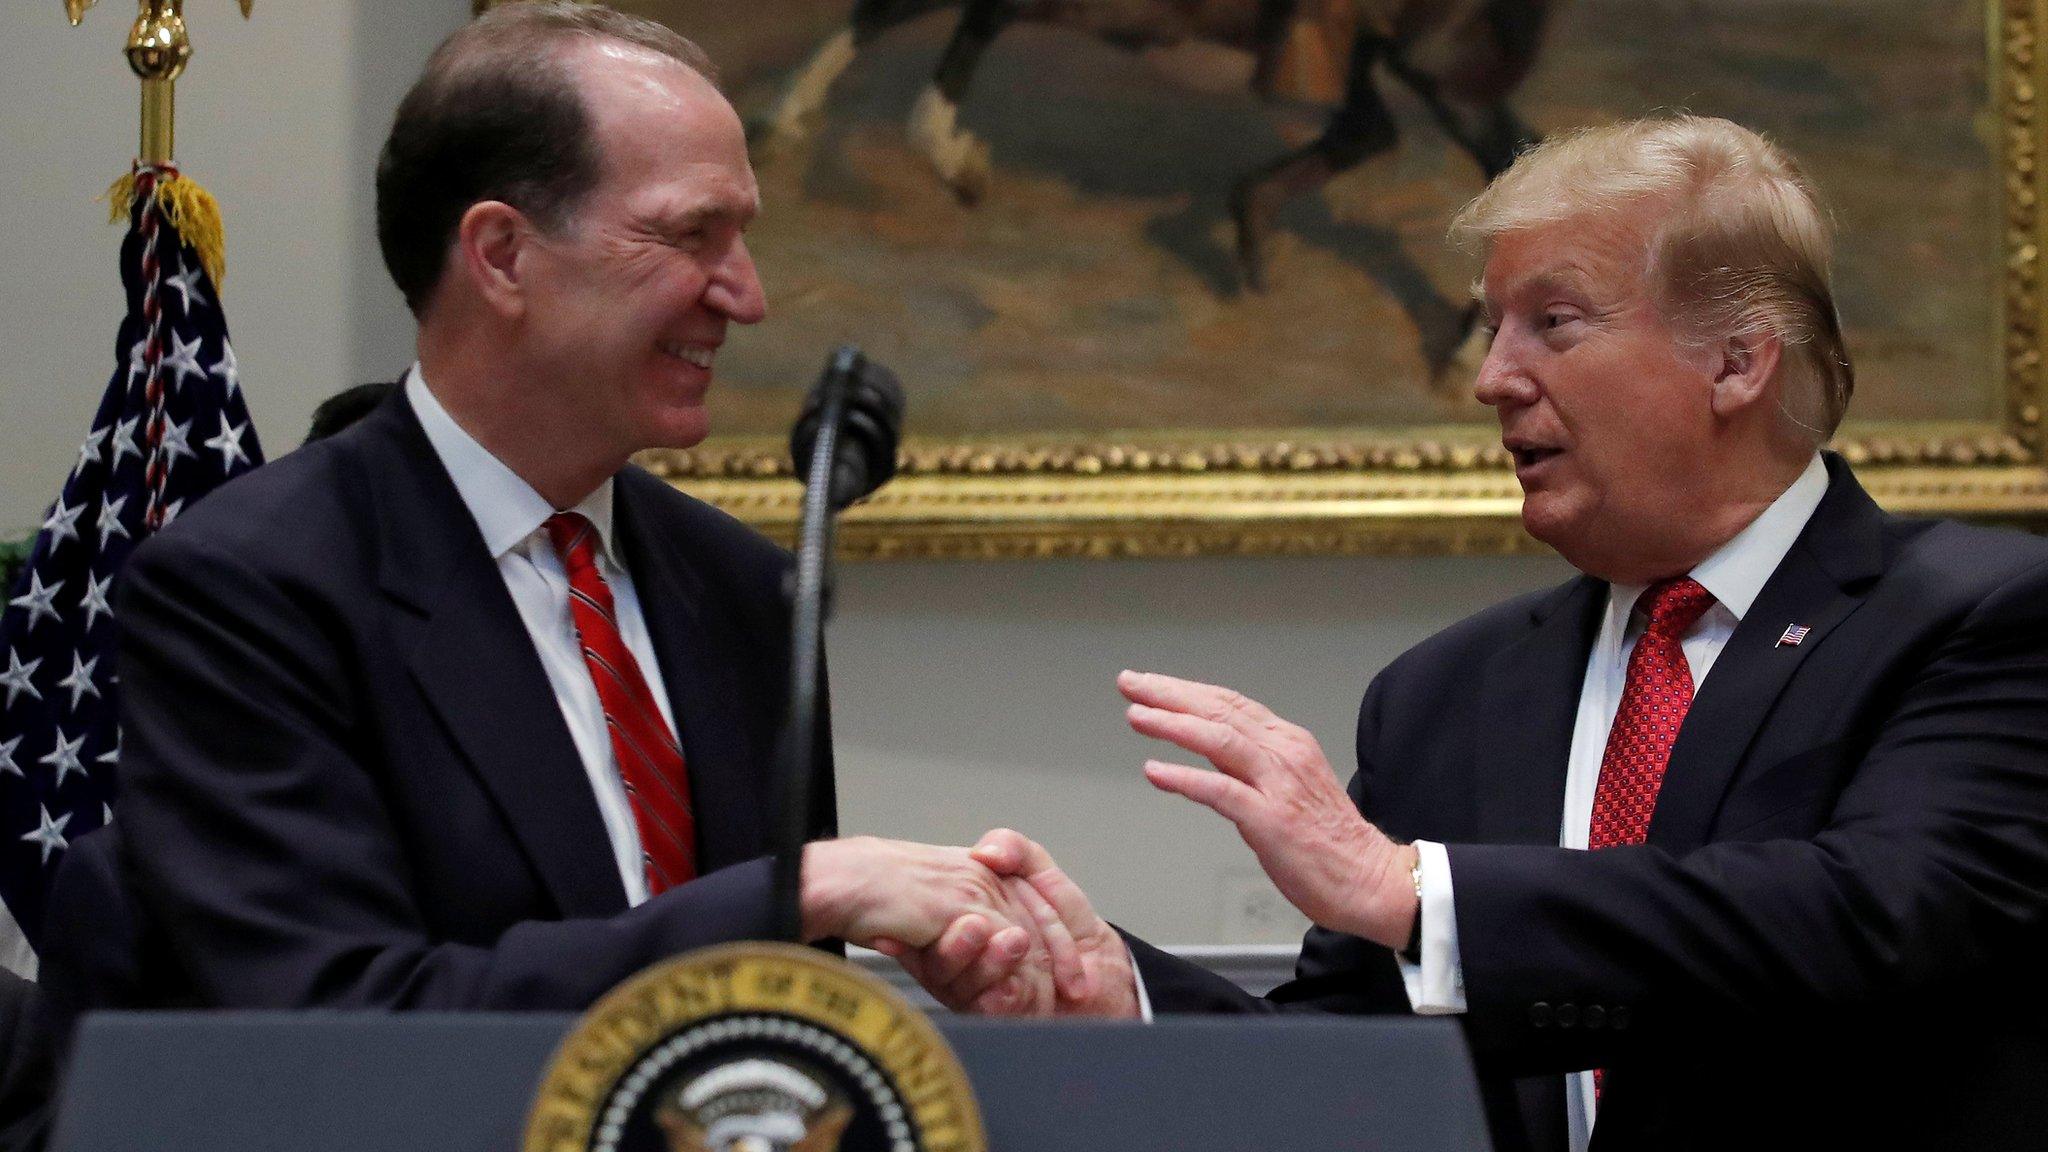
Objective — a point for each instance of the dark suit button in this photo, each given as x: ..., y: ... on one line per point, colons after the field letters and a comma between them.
x: 1618, y: 1019
x: 1541, y: 1015
x: 1594, y: 1016
x: 1567, y: 1015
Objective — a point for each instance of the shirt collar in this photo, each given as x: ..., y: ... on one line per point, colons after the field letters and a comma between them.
x: 1738, y: 570
x: 506, y: 508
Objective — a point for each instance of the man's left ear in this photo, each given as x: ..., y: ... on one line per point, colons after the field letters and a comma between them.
x: 1743, y: 375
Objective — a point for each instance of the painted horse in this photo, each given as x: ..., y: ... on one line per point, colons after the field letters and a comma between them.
x: 1462, y: 58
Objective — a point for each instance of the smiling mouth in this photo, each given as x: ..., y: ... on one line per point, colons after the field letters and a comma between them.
x: 699, y: 355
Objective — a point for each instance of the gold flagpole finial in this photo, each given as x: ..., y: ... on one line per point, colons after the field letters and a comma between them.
x: 158, y: 48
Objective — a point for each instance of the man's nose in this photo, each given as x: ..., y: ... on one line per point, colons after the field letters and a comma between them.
x: 736, y: 290
x: 1502, y: 382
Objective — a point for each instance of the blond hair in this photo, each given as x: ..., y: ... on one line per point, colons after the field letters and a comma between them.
x: 1740, y: 247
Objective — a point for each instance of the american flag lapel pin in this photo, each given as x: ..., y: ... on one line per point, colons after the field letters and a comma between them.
x: 1794, y: 633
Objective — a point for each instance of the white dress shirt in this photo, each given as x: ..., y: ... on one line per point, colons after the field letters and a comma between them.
x: 1734, y: 574
x: 510, y: 514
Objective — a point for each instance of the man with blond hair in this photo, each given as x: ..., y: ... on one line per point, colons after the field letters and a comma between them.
x: 1805, y: 741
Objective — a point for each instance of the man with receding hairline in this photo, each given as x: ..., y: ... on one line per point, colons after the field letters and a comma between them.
x: 1806, y: 742
x: 456, y: 708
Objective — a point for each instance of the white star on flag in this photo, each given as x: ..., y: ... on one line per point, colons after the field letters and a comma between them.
x: 64, y: 757
x: 184, y: 360
x: 50, y: 835
x: 187, y: 284
x: 106, y: 814
x: 62, y: 524
x: 124, y: 441
x: 229, y: 443
x: 89, y: 452
x: 110, y: 524
x: 171, y: 511
x: 17, y: 678
x: 111, y: 756
x: 80, y: 681
x: 7, y: 763
x: 175, y: 437
x: 135, y: 365
x: 39, y: 601
x: 229, y: 372
x: 95, y: 601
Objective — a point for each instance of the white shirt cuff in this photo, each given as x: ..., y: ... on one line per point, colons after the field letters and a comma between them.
x: 1138, y: 978
x: 1436, y: 987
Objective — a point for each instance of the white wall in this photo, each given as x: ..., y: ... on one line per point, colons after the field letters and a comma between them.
x: 966, y: 695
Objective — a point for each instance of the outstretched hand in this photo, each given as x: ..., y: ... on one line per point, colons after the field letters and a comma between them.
x: 1273, y: 781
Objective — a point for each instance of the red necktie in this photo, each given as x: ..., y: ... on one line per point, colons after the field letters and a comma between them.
x: 1654, y: 700
x: 649, y: 759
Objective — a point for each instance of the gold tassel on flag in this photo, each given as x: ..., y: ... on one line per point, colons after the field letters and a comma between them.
x: 191, y: 209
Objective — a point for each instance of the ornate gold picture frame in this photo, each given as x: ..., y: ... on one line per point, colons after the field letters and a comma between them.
x: 1428, y: 486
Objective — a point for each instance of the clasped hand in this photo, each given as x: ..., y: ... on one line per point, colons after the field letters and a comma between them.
x: 976, y: 939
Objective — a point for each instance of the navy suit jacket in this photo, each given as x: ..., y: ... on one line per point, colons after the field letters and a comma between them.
x: 1837, y: 933
x: 346, y: 780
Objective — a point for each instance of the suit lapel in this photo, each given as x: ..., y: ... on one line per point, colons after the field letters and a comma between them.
x: 1819, y: 583
x: 728, y: 789
x: 470, y: 653
x: 1528, y: 708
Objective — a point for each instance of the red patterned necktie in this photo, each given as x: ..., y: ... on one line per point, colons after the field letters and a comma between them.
x: 650, y: 761
x: 1654, y: 700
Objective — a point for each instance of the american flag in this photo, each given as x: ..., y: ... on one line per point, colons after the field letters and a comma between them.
x: 171, y: 427
x: 1794, y: 633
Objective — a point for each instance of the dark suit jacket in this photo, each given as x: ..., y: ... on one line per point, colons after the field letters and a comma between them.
x: 1837, y: 934
x: 346, y: 781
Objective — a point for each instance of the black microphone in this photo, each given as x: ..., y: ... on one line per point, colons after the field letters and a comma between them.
x: 866, y: 455
x: 854, y: 415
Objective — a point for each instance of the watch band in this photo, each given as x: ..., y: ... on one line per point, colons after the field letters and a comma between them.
x: 1412, y: 951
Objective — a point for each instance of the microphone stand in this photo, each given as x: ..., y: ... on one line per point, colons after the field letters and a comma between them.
x: 808, y: 609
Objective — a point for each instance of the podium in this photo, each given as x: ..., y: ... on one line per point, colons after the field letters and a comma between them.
x: 364, y: 1082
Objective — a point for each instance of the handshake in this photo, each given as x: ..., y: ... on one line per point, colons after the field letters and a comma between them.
x: 999, y: 929
x: 996, y: 929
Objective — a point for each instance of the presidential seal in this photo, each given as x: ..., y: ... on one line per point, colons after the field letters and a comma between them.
x: 754, y: 1048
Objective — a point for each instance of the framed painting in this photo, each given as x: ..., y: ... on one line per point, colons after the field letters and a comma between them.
x: 1131, y: 320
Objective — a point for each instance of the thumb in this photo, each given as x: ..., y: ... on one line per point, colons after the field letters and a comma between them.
x: 1004, y: 852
